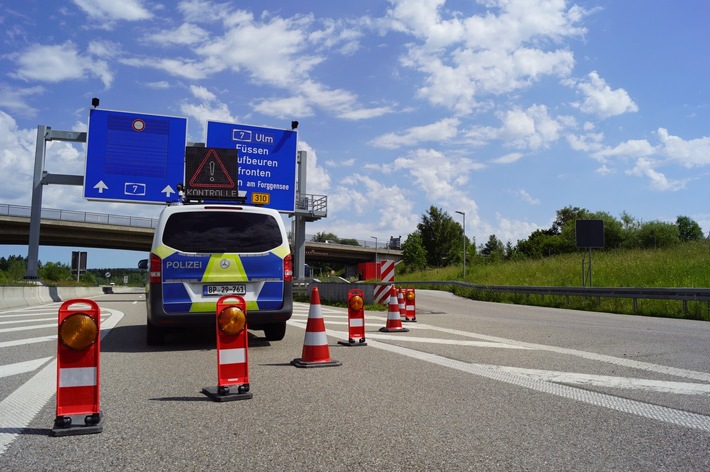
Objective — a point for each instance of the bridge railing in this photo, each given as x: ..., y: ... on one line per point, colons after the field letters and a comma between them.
x: 81, y: 216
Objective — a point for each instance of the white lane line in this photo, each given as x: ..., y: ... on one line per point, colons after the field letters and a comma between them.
x: 414, y: 339
x: 662, y: 386
x: 27, y: 328
x: 27, y: 321
x: 19, y: 408
x: 646, y: 410
x: 25, y: 315
x: 22, y: 367
x: 660, y: 369
x: 22, y: 342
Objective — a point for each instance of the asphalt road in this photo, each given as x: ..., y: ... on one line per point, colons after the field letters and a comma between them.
x: 471, y: 386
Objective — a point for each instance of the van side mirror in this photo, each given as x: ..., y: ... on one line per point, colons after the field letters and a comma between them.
x: 143, y: 264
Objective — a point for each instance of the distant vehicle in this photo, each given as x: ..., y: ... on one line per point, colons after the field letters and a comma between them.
x: 202, y: 252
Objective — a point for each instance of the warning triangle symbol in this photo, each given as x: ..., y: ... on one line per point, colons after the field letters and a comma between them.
x: 211, y: 173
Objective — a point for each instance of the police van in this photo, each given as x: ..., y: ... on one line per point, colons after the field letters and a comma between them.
x: 202, y: 252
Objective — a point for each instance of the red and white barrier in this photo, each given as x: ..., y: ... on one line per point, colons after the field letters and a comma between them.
x: 386, y: 274
x: 356, y: 319
x: 410, y: 305
x: 78, y: 368
x: 232, y: 351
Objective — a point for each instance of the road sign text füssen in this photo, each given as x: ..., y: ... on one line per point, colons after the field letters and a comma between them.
x: 134, y: 157
x: 266, y: 168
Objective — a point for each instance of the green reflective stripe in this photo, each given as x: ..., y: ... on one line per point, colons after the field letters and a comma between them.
x: 234, y: 273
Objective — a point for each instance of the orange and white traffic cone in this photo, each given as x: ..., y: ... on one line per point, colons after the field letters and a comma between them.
x: 315, y: 343
x: 394, y: 320
x: 400, y: 303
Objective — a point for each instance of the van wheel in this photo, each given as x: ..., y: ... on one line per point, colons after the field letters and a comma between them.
x: 275, y: 332
x: 154, y: 336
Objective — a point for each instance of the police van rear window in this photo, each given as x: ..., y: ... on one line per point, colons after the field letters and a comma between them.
x: 218, y: 232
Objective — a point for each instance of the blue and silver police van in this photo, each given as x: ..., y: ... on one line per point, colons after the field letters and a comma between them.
x: 201, y: 252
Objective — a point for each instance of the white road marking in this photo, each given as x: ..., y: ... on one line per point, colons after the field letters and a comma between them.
x: 22, y: 342
x: 551, y: 382
x: 663, y: 386
x: 22, y: 367
x: 28, y: 321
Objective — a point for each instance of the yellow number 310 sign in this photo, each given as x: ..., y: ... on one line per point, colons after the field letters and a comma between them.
x: 260, y: 198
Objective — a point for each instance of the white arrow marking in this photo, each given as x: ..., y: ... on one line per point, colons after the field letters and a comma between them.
x: 168, y: 190
x: 101, y: 186
x: 22, y: 367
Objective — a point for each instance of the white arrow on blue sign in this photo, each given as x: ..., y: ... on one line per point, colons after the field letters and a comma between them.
x: 134, y: 157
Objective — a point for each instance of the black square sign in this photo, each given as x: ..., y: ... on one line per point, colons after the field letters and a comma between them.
x: 589, y: 233
x: 211, y: 174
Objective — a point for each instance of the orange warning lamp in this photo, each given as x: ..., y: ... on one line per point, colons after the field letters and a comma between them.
x: 409, y: 295
x: 355, y: 303
x: 231, y: 320
x: 78, y: 331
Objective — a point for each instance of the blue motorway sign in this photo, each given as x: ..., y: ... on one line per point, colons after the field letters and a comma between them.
x: 266, y: 162
x: 134, y: 157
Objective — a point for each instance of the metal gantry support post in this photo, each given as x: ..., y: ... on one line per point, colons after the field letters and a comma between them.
x: 40, y: 178
x: 299, y: 221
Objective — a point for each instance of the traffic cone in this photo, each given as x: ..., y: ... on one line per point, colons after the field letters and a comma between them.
x: 400, y: 303
x: 315, y: 343
x: 394, y: 320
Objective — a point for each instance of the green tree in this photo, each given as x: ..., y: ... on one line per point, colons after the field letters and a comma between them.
x: 656, y: 234
x: 441, y: 238
x: 349, y: 242
x: 323, y: 237
x: 413, y: 253
x: 54, y: 272
x: 688, y: 229
x: 494, y: 248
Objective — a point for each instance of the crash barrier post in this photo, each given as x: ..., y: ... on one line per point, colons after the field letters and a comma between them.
x: 78, y: 352
x: 356, y: 319
x: 232, y: 351
x: 410, y: 312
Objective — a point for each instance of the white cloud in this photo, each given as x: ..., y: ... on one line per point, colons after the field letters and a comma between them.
x: 129, y: 10
x: 532, y: 128
x: 689, y: 153
x: 631, y: 149
x: 644, y: 167
x: 498, y: 52
x: 601, y: 100
x: 208, y: 108
x: 509, y: 158
x: 56, y: 63
x: 438, y: 176
x: 317, y: 178
x: 14, y: 99
x: 184, y: 35
x: 511, y: 230
x: 525, y: 196
x: 440, y: 131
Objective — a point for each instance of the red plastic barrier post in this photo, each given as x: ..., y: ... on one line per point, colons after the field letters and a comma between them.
x: 356, y: 319
x: 232, y: 351
x: 411, y: 305
x: 78, y: 368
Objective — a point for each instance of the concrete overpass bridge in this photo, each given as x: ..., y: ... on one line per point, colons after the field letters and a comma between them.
x: 85, y: 229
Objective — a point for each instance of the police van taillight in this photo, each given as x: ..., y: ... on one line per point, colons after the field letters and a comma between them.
x: 288, y: 268
x: 156, y: 269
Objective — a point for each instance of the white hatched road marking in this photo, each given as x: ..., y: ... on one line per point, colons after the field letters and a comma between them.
x: 22, y: 367
x: 551, y: 382
x: 19, y: 408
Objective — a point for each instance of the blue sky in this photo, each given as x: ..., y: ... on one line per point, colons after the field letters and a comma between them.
x: 507, y: 110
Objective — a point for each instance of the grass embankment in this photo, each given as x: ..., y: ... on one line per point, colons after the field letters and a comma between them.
x: 685, y: 265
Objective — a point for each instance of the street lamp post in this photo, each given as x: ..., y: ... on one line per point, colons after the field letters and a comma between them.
x: 464, y: 241
x: 377, y: 267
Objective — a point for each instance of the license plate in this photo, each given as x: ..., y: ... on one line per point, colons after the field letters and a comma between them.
x: 218, y: 290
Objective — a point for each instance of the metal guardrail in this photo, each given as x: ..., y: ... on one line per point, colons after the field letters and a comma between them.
x: 81, y: 216
x: 683, y: 294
